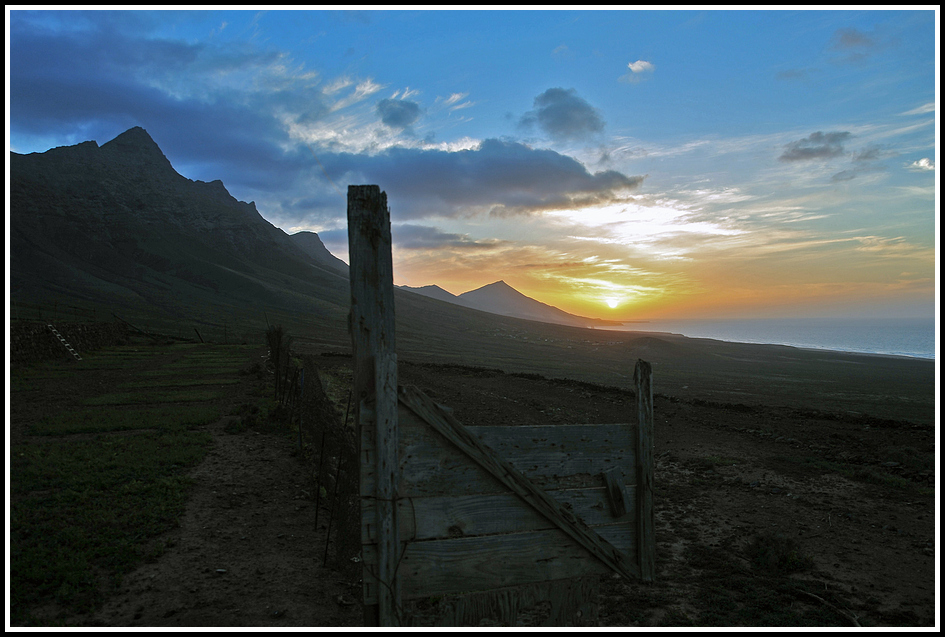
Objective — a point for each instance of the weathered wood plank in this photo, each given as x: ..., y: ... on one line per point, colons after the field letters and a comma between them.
x: 484, y: 562
x: 454, y: 432
x: 372, y: 284
x: 371, y: 323
x: 386, y: 493
x: 483, y: 514
x: 646, y: 537
x: 572, y: 602
x: 617, y: 493
x: 553, y: 457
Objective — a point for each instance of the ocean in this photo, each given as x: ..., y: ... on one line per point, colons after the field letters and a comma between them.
x: 899, y: 337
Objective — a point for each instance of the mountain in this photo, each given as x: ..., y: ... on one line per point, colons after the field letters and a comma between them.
x: 117, y: 226
x: 434, y: 292
x: 313, y: 246
x: 501, y: 298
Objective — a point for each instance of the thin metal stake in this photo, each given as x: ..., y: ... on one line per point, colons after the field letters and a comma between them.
x: 301, y: 411
x: 318, y: 487
x: 331, y: 511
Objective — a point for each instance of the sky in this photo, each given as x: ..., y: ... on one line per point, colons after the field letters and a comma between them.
x: 619, y: 164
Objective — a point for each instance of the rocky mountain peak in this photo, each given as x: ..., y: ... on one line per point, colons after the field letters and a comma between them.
x: 135, y: 148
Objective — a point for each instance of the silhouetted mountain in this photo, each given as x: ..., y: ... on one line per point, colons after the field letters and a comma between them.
x: 501, y: 298
x: 313, y: 247
x: 118, y: 225
x: 434, y: 292
x: 117, y: 228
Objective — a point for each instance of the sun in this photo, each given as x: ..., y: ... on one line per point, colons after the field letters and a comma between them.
x: 612, y: 302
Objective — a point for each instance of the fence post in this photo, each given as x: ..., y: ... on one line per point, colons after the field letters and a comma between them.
x: 646, y: 539
x: 375, y: 375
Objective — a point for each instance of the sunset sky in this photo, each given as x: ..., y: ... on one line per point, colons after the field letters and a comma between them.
x: 671, y: 164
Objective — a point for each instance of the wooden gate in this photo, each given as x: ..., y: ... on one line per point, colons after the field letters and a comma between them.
x: 511, y: 514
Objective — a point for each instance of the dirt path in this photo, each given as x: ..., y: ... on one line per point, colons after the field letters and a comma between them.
x: 248, y: 551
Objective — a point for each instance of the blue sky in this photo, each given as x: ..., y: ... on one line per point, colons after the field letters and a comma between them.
x: 622, y: 164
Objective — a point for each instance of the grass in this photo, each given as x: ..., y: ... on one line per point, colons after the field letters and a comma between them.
x: 85, y: 510
x: 177, y: 381
x: 102, y: 420
x: 135, y: 398
x: 82, y: 512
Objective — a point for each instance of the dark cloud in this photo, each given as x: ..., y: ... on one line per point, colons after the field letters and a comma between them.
x: 844, y: 39
x: 502, y: 175
x: 564, y: 116
x: 95, y: 82
x: 853, y: 173
x: 815, y: 146
x: 854, y: 46
x: 871, y: 153
x: 416, y: 237
x: 398, y: 113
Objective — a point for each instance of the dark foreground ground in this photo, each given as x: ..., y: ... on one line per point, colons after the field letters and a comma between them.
x: 791, y: 513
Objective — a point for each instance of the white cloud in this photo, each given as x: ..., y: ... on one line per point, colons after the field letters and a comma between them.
x: 638, y: 71
x: 921, y: 165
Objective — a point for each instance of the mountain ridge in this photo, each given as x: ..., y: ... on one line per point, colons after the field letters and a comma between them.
x: 501, y: 298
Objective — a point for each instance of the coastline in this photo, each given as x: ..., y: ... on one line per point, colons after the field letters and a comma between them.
x: 908, y: 338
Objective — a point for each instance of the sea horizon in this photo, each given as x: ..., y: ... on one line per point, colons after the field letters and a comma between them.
x: 910, y: 337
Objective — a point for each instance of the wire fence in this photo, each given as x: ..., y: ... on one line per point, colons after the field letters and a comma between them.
x: 328, y: 447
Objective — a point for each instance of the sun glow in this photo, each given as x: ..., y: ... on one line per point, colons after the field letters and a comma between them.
x: 612, y: 302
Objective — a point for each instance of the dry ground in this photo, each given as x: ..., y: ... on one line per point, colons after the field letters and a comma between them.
x: 851, y: 493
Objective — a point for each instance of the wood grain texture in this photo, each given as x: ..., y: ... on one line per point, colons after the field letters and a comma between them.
x: 454, y: 432
x: 440, y: 517
x: 570, y: 602
x: 371, y: 322
x: 552, y: 456
x: 491, y: 561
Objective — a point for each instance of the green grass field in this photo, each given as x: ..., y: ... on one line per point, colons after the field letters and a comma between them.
x: 100, y: 474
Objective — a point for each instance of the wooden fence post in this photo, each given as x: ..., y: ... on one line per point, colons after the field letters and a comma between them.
x: 375, y: 376
x: 646, y: 539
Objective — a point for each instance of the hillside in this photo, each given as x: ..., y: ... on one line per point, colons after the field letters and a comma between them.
x: 117, y: 226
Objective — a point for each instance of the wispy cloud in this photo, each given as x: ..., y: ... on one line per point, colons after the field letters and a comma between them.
x: 922, y: 110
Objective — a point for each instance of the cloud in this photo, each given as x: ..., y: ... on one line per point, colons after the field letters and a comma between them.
x: 815, y: 146
x: 871, y: 153
x: 855, y: 46
x: 398, y: 113
x: 416, y: 237
x: 498, y: 176
x: 639, y: 70
x: 922, y: 110
x: 921, y: 165
x: 564, y: 116
x: 851, y: 39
